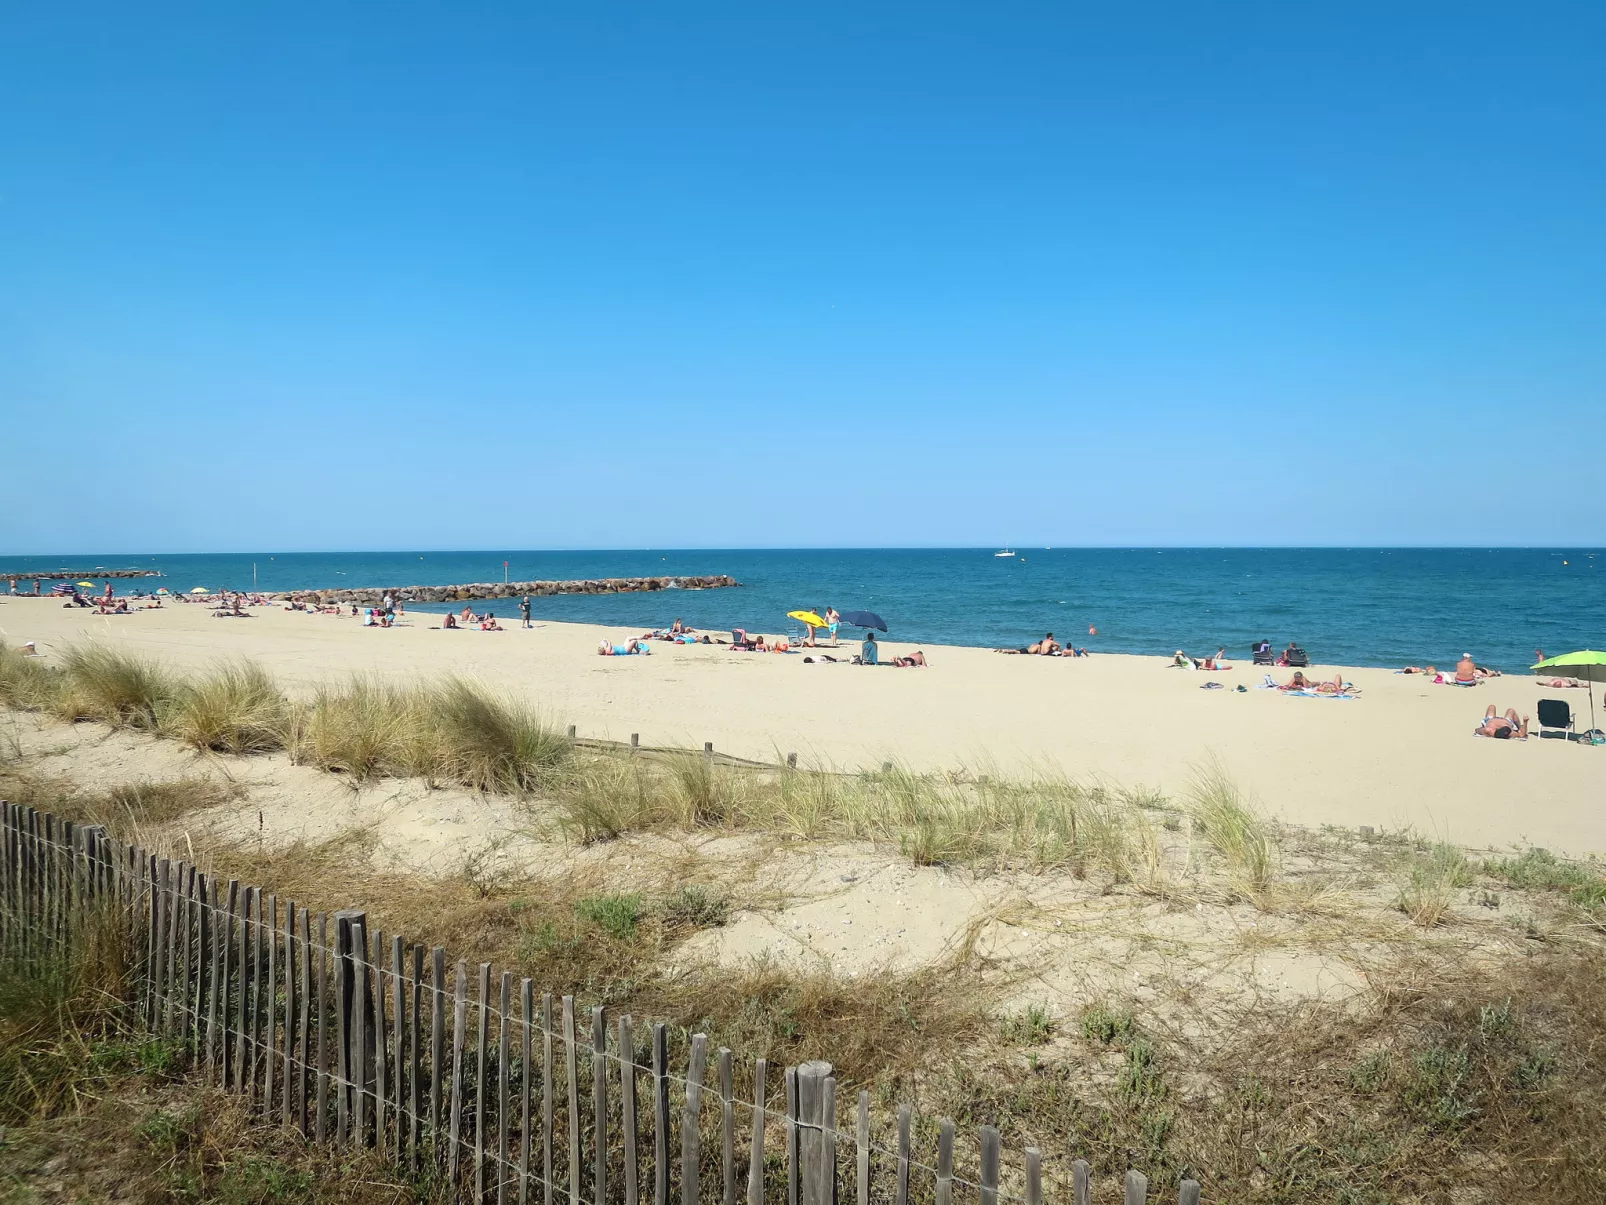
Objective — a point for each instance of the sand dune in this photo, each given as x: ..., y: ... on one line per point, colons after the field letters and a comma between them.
x: 1401, y: 755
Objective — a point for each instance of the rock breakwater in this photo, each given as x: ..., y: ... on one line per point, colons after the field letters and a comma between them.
x: 373, y: 595
x: 64, y: 575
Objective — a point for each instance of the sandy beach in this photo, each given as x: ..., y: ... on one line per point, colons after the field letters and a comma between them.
x: 1401, y: 755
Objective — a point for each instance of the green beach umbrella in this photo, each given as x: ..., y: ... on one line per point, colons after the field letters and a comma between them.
x: 1586, y: 665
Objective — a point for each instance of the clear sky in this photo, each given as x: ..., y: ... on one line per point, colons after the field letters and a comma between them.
x: 360, y: 275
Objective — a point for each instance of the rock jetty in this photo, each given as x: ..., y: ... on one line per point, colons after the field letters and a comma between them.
x: 73, y: 575
x: 372, y: 595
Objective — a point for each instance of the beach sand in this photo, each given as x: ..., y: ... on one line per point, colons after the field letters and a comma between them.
x: 1400, y: 756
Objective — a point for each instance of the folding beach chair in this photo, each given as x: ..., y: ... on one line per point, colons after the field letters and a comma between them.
x: 1555, y: 720
x: 1297, y: 657
x: 1263, y: 655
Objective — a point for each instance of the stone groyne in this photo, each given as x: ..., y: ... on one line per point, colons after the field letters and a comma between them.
x: 372, y: 595
x: 73, y: 575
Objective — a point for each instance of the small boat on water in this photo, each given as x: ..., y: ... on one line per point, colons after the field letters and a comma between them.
x: 1005, y: 552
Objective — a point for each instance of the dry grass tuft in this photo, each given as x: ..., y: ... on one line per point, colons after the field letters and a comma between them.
x: 489, y: 743
x: 1239, y: 834
x: 236, y: 708
x: 28, y: 683
x: 114, y: 687
x: 1429, y: 881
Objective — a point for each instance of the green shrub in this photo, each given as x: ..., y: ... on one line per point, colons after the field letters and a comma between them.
x: 616, y: 915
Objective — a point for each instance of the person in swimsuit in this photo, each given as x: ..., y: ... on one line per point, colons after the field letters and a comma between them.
x: 915, y: 658
x: 1466, y: 671
x: 1502, y: 727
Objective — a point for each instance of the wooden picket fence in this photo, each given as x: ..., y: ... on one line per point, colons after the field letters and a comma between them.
x: 358, y: 1039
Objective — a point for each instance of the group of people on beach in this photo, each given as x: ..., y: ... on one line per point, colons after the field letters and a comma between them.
x: 1046, y: 647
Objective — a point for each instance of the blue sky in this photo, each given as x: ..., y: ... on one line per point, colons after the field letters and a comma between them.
x: 358, y: 275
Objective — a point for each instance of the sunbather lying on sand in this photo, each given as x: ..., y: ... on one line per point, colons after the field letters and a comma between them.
x: 630, y: 648
x: 1046, y: 647
x: 915, y: 658
x: 1502, y: 727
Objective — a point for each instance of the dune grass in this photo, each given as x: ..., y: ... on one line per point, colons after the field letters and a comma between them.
x: 1428, y: 881
x: 455, y: 731
x: 56, y: 1009
x: 28, y: 683
x: 1236, y: 832
x: 116, y: 688
x: 236, y: 708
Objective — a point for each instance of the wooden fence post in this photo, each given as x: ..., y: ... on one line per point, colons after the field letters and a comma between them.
x: 862, y: 1141
x: 1081, y: 1182
x: 350, y: 1008
x: 945, y: 1163
x: 627, y: 1110
x: 727, y: 1126
x: 905, y: 1118
x: 438, y: 1078
x: 398, y: 1030
x: 549, y: 1189
x: 571, y: 1070
x: 1137, y: 1188
x: 1188, y: 1194
x: 814, y: 1178
x: 660, y: 1110
x: 1034, y: 1176
x: 454, y: 1160
x: 991, y: 1149
x: 481, y: 1050
x: 599, y: 1106
x: 755, y: 1164
x: 526, y: 1076
x: 321, y: 1096
x: 414, y: 1084
x: 691, y: 1161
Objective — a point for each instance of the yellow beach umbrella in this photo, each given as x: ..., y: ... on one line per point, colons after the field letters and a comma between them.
x: 200, y: 590
x: 90, y: 585
x: 808, y: 617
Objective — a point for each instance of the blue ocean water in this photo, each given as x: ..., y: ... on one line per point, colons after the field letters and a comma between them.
x: 1378, y: 606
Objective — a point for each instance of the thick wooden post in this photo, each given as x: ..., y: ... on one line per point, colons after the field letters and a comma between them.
x: 755, y: 1163
x: 991, y: 1148
x: 816, y: 1181
x: 599, y: 1106
x: 691, y: 1161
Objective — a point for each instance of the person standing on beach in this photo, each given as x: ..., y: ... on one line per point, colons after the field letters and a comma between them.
x: 524, y: 610
x: 36, y: 586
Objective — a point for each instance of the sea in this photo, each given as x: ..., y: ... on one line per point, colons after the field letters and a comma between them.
x: 1345, y: 606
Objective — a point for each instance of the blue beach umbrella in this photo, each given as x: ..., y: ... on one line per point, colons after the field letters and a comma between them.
x: 864, y: 619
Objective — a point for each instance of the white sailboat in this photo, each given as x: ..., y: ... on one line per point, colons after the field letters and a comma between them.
x: 1005, y: 552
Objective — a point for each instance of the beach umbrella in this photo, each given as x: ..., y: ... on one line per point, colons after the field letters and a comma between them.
x: 864, y: 619
x: 162, y: 590
x: 808, y: 617
x: 1586, y: 665
x: 87, y: 585
x: 200, y: 590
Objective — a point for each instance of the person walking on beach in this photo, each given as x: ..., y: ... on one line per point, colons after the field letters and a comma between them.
x: 524, y: 610
x: 36, y: 586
